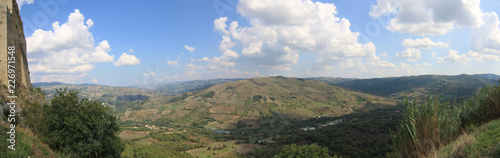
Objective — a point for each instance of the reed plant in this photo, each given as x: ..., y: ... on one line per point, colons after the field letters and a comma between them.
x: 427, y: 126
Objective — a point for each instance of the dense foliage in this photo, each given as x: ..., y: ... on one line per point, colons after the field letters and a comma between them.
x: 178, y: 98
x: 428, y: 126
x: 362, y: 134
x: 131, y: 97
x: 146, y: 151
x: 312, y: 151
x: 450, y: 87
x: 79, y: 127
x: 209, y: 94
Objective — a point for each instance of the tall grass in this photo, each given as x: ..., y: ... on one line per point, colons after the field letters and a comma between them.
x: 425, y: 127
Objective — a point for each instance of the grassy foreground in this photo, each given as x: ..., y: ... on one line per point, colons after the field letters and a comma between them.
x: 428, y: 126
x: 479, y: 142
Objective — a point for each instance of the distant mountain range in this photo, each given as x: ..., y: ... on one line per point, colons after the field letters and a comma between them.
x: 397, y: 84
x: 489, y: 76
x: 97, y: 92
x: 223, y: 103
x: 448, y: 87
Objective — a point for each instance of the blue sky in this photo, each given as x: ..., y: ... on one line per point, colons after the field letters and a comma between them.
x: 142, y: 43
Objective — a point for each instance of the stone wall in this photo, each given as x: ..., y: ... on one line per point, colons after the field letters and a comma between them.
x: 12, y: 34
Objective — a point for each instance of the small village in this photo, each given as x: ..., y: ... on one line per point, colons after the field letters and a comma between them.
x: 331, y: 123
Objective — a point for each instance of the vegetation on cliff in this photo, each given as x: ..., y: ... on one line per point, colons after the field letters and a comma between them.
x: 428, y: 126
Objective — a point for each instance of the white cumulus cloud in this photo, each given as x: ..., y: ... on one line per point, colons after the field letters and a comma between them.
x: 174, y: 63
x: 428, y: 17
x: 280, y: 30
x: 453, y: 57
x: 24, y: 2
x: 482, y: 57
x: 410, y: 54
x: 189, y: 48
x: 68, y: 48
x: 486, y: 39
x: 127, y: 59
x: 423, y: 43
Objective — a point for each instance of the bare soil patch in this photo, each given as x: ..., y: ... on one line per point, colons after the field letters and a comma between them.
x: 129, y: 135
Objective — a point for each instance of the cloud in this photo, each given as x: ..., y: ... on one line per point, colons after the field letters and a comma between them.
x: 410, y: 54
x: 131, y: 50
x: 188, y: 48
x: 174, y: 63
x: 202, y: 59
x: 95, y: 80
x: 281, y: 30
x: 482, y: 57
x: 152, y: 74
x: 127, y: 59
x: 24, y: 2
x: 423, y: 43
x: 453, y: 57
x: 225, y: 47
x: 434, y: 55
x: 428, y: 17
x: 220, y: 25
x: 100, y: 54
x: 486, y: 38
x: 67, y: 48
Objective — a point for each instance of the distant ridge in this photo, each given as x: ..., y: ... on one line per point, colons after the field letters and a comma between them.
x: 489, y: 76
x: 448, y: 87
x: 44, y: 84
x: 189, y: 86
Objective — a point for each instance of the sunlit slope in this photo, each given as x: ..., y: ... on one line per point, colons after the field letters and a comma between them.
x: 224, y: 104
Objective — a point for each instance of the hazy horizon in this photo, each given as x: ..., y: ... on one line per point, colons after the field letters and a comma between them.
x: 183, y: 81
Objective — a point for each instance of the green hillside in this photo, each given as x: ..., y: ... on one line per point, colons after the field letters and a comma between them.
x: 189, y: 86
x: 254, y: 100
x: 120, y: 98
x: 449, y: 87
x: 97, y: 92
x: 483, y: 141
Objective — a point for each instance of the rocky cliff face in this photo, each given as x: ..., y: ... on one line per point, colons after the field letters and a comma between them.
x: 12, y: 34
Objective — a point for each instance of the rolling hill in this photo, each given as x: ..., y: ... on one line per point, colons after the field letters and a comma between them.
x: 185, y: 86
x: 97, y: 92
x: 449, y: 87
x: 254, y: 100
x: 489, y: 76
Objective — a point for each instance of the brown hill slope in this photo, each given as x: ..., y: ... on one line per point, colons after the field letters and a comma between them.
x: 255, y: 100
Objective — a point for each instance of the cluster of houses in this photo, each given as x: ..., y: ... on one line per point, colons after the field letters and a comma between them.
x: 149, y: 126
x: 331, y: 123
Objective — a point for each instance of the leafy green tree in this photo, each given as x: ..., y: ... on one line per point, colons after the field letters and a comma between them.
x: 79, y: 127
x: 304, y: 151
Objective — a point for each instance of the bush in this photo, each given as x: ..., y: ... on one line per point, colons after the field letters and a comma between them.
x: 178, y: 98
x: 313, y: 151
x: 32, y: 115
x: 79, y: 127
x: 209, y: 94
x: 428, y: 126
x: 496, y: 153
